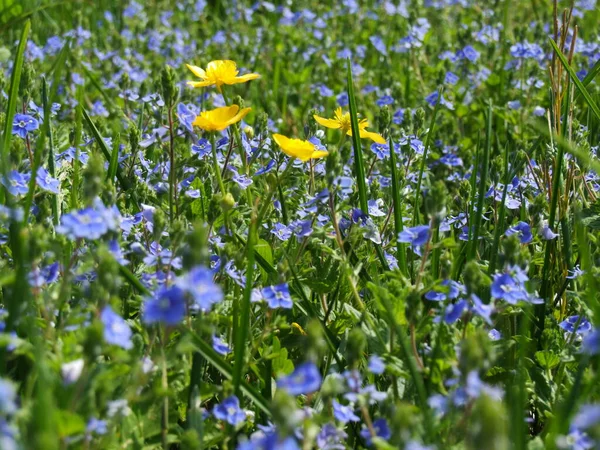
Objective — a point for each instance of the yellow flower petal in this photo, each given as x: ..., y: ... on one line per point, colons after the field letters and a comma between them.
x: 328, y: 123
x: 199, y: 83
x: 220, y: 118
x: 200, y: 73
x: 296, y: 148
x: 375, y: 137
x: 243, y: 78
x: 318, y: 154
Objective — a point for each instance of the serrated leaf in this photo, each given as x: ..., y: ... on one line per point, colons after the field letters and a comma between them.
x: 547, y: 359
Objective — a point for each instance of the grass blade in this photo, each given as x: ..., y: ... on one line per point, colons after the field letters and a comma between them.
x: 222, y: 366
x: 359, y: 166
x: 13, y: 92
x: 573, y: 76
x: 485, y: 162
x: 424, y: 158
x: 242, y: 330
x: 398, y: 224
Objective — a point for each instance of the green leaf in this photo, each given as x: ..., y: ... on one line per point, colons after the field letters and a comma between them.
x: 69, y: 423
x: 547, y: 359
x: 282, y: 365
x: 590, y: 217
x: 263, y: 249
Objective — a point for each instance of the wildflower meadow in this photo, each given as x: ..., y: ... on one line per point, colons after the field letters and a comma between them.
x: 299, y: 224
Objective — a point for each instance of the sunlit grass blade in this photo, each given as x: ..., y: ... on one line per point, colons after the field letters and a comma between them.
x: 575, y: 79
x: 242, y: 330
x: 436, y: 108
x: 359, y: 167
x: 226, y: 370
x: 13, y: 92
x: 499, y: 226
x: 546, y: 288
x: 123, y: 181
x: 397, y: 204
x: 484, y: 169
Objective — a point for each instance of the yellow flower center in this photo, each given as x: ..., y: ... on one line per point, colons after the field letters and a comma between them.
x: 220, y: 71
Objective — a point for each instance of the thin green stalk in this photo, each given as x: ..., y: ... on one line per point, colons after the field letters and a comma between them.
x: 482, y: 184
x: 244, y: 321
x: 213, y: 144
x: 500, y: 224
x: 436, y: 108
x: 13, y: 93
x: 397, y: 205
x: 359, y: 167
x: 550, y: 244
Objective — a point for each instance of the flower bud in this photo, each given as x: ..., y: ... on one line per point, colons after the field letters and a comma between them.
x: 227, y: 202
x: 355, y: 346
x: 195, y: 250
x: 383, y: 120
x: 488, y: 425
x: 311, y: 123
x: 93, y: 178
x: 168, y: 81
x: 249, y: 132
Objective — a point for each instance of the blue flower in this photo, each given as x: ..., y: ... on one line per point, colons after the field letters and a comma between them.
x: 199, y: 283
x: 8, y: 397
x: 116, y: 330
x: 523, y: 230
x: 447, y: 290
x: 220, y: 346
x: 96, y: 426
x: 87, y: 223
x: 381, y: 428
x: 23, y: 124
x: 229, y: 410
x: 202, y: 148
x: 455, y: 311
x: 481, y: 309
x: 305, y: 379
x: 344, y: 413
x: 415, y: 236
x: 575, y: 272
x: 278, y: 296
x: 591, y: 343
x: 376, y: 365
x: 331, y: 438
x: 569, y: 323
x: 384, y: 100
x: 511, y: 288
x: 469, y: 53
x: 282, y: 232
x: 47, y: 182
x: 587, y: 417
x: 494, y: 335
x: 547, y: 233
x: 18, y: 183
x: 167, y: 306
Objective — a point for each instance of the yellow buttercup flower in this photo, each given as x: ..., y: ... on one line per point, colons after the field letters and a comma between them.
x: 341, y: 121
x: 220, y: 118
x: 218, y: 73
x: 297, y: 148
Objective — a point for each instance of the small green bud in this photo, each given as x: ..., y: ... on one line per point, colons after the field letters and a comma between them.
x: 475, y: 279
x: 333, y: 166
x: 419, y: 120
x: 383, y: 120
x: 511, y: 248
x: 488, y: 425
x: 435, y: 199
x: 475, y: 352
x: 93, y: 177
x: 168, y: 82
x: 108, y: 271
x: 134, y: 138
x: 238, y: 100
x: 311, y: 123
x: 260, y: 124
x: 195, y: 250
x: 249, y: 132
x: 413, y: 306
x: 26, y: 85
x: 227, y: 202
x: 317, y: 345
x: 160, y: 223
x: 355, y: 346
